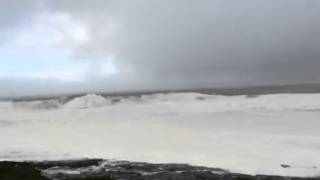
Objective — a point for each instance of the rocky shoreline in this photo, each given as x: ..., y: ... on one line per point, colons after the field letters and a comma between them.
x: 98, y: 169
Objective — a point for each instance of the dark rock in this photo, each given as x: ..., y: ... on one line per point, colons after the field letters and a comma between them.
x: 97, y: 169
x: 68, y: 163
x: 94, y: 178
x: 262, y: 177
x: 19, y: 171
x: 238, y: 177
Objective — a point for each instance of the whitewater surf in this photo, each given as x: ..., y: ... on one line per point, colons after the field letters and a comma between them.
x: 243, y: 134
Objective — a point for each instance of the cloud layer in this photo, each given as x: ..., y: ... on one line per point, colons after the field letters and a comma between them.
x: 180, y: 44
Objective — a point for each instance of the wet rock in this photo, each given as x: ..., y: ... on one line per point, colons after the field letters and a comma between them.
x: 97, y: 169
x: 68, y: 163
x: 19, y: 171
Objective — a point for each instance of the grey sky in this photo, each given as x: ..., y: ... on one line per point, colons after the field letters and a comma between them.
x: 174, y: 43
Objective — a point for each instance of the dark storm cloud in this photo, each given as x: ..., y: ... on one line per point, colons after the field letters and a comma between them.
x: 199, y: 43
x: 208, y: 43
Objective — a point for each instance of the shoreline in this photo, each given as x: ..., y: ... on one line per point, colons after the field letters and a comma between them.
x: 99, y: 169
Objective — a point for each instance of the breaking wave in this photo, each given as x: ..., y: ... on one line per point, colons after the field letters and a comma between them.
x: 45, y: 104
x: 230, y: 132
x: 296, y: 102
x: 88, y: 101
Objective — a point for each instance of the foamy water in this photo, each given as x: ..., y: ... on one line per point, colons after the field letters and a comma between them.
x: 248, y: 135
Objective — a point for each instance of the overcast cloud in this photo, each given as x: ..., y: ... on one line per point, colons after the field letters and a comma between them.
x: 151, y: 44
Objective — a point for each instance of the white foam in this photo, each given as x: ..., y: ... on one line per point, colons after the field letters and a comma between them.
x: 88, y: 101
x: 247, y: 135
x: 37, y: 105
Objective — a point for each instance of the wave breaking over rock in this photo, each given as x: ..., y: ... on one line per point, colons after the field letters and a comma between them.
x: 229, y: 132
x: 123, y: 170
x: 87, y: 101
x: 283, y: 102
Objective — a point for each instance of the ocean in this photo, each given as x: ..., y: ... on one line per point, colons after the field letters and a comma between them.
x: 251, y: 134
